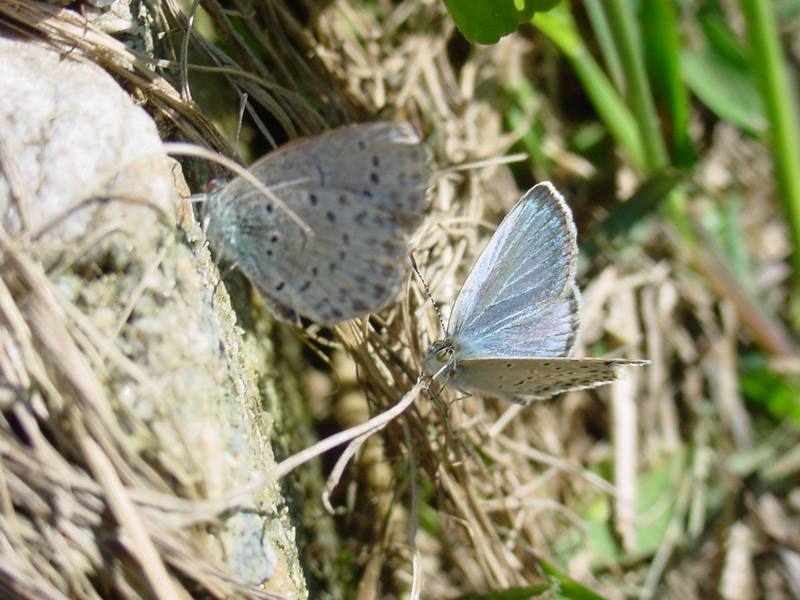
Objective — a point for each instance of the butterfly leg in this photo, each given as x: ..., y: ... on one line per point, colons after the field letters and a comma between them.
x: 463, y: 394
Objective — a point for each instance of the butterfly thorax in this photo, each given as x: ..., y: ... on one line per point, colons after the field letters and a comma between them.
x: 441, y: 356
x: 236, y: 218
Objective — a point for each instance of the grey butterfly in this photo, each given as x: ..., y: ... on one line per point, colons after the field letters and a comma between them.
x: 360, y: 189
x: 516, y: 319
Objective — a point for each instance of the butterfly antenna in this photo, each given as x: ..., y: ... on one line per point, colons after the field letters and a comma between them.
x: 428, y: 291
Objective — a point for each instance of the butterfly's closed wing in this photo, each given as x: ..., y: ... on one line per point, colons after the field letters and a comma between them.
x: 361, y: 191
x: 520, y: 298
x: 382, y: 163
x: 522, y: 379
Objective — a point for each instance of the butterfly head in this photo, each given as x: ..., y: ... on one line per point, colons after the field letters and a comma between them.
x: 220, y: 224
x: 440, y: 357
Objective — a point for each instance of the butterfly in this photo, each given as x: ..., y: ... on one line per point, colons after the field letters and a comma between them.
x: 359, y: 189
x: 517, y: 316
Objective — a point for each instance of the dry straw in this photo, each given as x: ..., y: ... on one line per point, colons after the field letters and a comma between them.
x: 507, y: 485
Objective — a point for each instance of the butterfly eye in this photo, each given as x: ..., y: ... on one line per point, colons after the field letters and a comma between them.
x: 441, y: 355
x: 214, y: 184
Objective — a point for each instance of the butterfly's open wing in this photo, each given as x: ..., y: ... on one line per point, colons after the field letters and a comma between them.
x: 361, y: 191
x: 520, y: 298
x: 537, y: 378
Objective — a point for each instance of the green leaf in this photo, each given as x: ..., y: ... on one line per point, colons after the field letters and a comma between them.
x: 542, y: 5
x: 568, y: 588
x: 721, y: 37
x: 787, y: 9
x: 514, y: 593
x: 778, y: 393
x: 658, y: 490
x: 727, y: 88
x: 486, y: 21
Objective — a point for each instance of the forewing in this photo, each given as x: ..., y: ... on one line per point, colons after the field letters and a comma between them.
x: 382, y: 163
x: 361, y: 191
x: 537, y: 378
x: 549, y: 331
x: 521, y: 290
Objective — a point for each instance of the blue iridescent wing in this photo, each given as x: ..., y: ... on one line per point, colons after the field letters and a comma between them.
x: 520, y: 298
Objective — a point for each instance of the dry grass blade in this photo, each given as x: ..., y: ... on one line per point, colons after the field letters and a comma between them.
x: 67, y: 389
x: 87, y: 481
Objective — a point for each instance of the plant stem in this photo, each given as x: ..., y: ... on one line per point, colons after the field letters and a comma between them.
x: 768, y: 61
x: 559, y: 26
x: 622, y: 26
x: 605, y: 40
x: 662, y: 51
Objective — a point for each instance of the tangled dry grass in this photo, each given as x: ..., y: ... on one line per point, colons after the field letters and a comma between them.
x: 455, y: 497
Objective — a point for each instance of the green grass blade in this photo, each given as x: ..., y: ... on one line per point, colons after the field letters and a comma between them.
x: 623, y: 28
x: 721, y: 37
x: 559, y: 26
x: 568, y: 588
x: 770, y: 66
x: 602, y: 31
x: 662, y: 52
x: 525, y: 592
